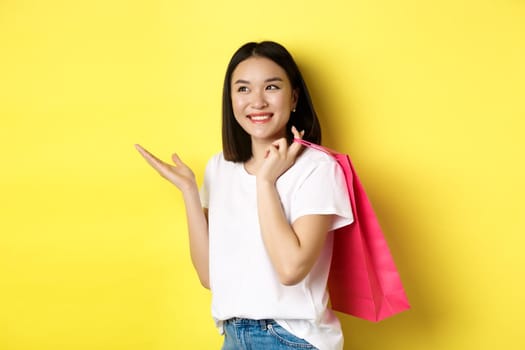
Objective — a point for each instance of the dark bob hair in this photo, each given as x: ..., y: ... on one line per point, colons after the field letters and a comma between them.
x: 236, y: 143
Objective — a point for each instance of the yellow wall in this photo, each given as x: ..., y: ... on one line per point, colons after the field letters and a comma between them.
x: 427, y: 97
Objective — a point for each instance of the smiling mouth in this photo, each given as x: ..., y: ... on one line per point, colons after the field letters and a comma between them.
x: 260, y: 117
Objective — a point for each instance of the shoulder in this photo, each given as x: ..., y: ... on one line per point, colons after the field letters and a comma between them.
x: 314, y: 158
x: 216, y: 158
x: 217, y: 162
x: 310, y: 163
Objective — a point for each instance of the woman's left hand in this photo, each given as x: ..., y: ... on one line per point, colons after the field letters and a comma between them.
x: 279, y: 158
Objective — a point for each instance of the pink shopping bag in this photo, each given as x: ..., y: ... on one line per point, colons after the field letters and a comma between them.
x: 363, y: 279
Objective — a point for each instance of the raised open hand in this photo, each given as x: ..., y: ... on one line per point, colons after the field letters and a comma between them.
x: 177, y: 173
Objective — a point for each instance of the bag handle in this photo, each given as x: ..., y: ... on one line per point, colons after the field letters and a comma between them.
x: 315, y: 146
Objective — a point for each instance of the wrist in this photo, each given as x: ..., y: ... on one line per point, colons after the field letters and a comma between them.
x: 265, y: 183
x: 190, y: 189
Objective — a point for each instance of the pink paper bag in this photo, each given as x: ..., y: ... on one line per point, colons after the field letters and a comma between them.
x: 363, y: 279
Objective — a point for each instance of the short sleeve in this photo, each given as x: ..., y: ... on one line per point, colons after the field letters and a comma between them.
x: 323, y: 191
x: 204, y: 196
x: 204, y: 191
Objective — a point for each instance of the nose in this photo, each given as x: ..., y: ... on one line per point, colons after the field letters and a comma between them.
x: 259, y: 100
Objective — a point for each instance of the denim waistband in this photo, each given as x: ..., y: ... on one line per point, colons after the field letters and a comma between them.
x: 237, y: 321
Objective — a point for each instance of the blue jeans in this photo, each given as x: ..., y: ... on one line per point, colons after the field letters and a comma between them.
x: 246, y: 334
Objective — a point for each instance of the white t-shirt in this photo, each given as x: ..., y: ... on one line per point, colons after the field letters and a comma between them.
x: 242, y: 279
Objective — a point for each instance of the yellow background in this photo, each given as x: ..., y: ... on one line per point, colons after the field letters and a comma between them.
x: 426, y: 96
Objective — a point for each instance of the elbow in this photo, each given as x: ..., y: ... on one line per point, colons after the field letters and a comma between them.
x: 205, y: 283
x: 204, y: 278
x: 292, y: 276
x: 289, y: 282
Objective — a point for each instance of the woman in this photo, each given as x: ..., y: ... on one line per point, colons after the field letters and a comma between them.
x: 263, y: 242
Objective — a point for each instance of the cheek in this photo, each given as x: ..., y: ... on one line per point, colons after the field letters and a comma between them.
x: 237, y: 106
x: 238, y: 101
x: 282, y: 102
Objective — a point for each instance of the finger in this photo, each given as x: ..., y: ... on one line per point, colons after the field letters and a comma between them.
x: 297, y: 134
x: 281, y: 145
x: 176, y: 159
x: 150, y: 158
x: 145, y: 153
x: 295, y: 149
x: 272, y: 152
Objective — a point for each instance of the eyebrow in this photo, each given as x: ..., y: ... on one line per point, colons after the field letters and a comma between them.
x: 269, y: 80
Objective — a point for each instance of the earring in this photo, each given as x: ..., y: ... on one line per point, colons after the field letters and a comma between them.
x: 293, y: 110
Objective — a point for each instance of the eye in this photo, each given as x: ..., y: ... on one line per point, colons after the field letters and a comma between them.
x: 242, y: 89
x: 272, y: 87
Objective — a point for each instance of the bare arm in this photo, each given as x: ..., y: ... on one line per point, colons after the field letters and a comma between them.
x: 183, y: 178
x: 293, y: 249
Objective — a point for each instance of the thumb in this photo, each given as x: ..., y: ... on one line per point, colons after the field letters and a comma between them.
x: 296, y: 147
x: 176, y: 159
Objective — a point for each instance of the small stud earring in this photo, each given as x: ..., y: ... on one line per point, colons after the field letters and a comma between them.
x: 293, y: 110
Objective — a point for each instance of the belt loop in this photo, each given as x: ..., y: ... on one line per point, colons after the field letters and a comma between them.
x: 264, y: 324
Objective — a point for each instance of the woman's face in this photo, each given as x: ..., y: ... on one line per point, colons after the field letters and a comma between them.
x: 262, y: 98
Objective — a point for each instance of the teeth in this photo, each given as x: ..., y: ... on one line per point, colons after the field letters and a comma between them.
x: 259, y: 117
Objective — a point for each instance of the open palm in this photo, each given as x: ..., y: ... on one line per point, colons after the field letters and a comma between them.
x: 177, y: 173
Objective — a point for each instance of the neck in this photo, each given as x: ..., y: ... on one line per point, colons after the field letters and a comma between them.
x: 260, y: 147
x: 259, y: 151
